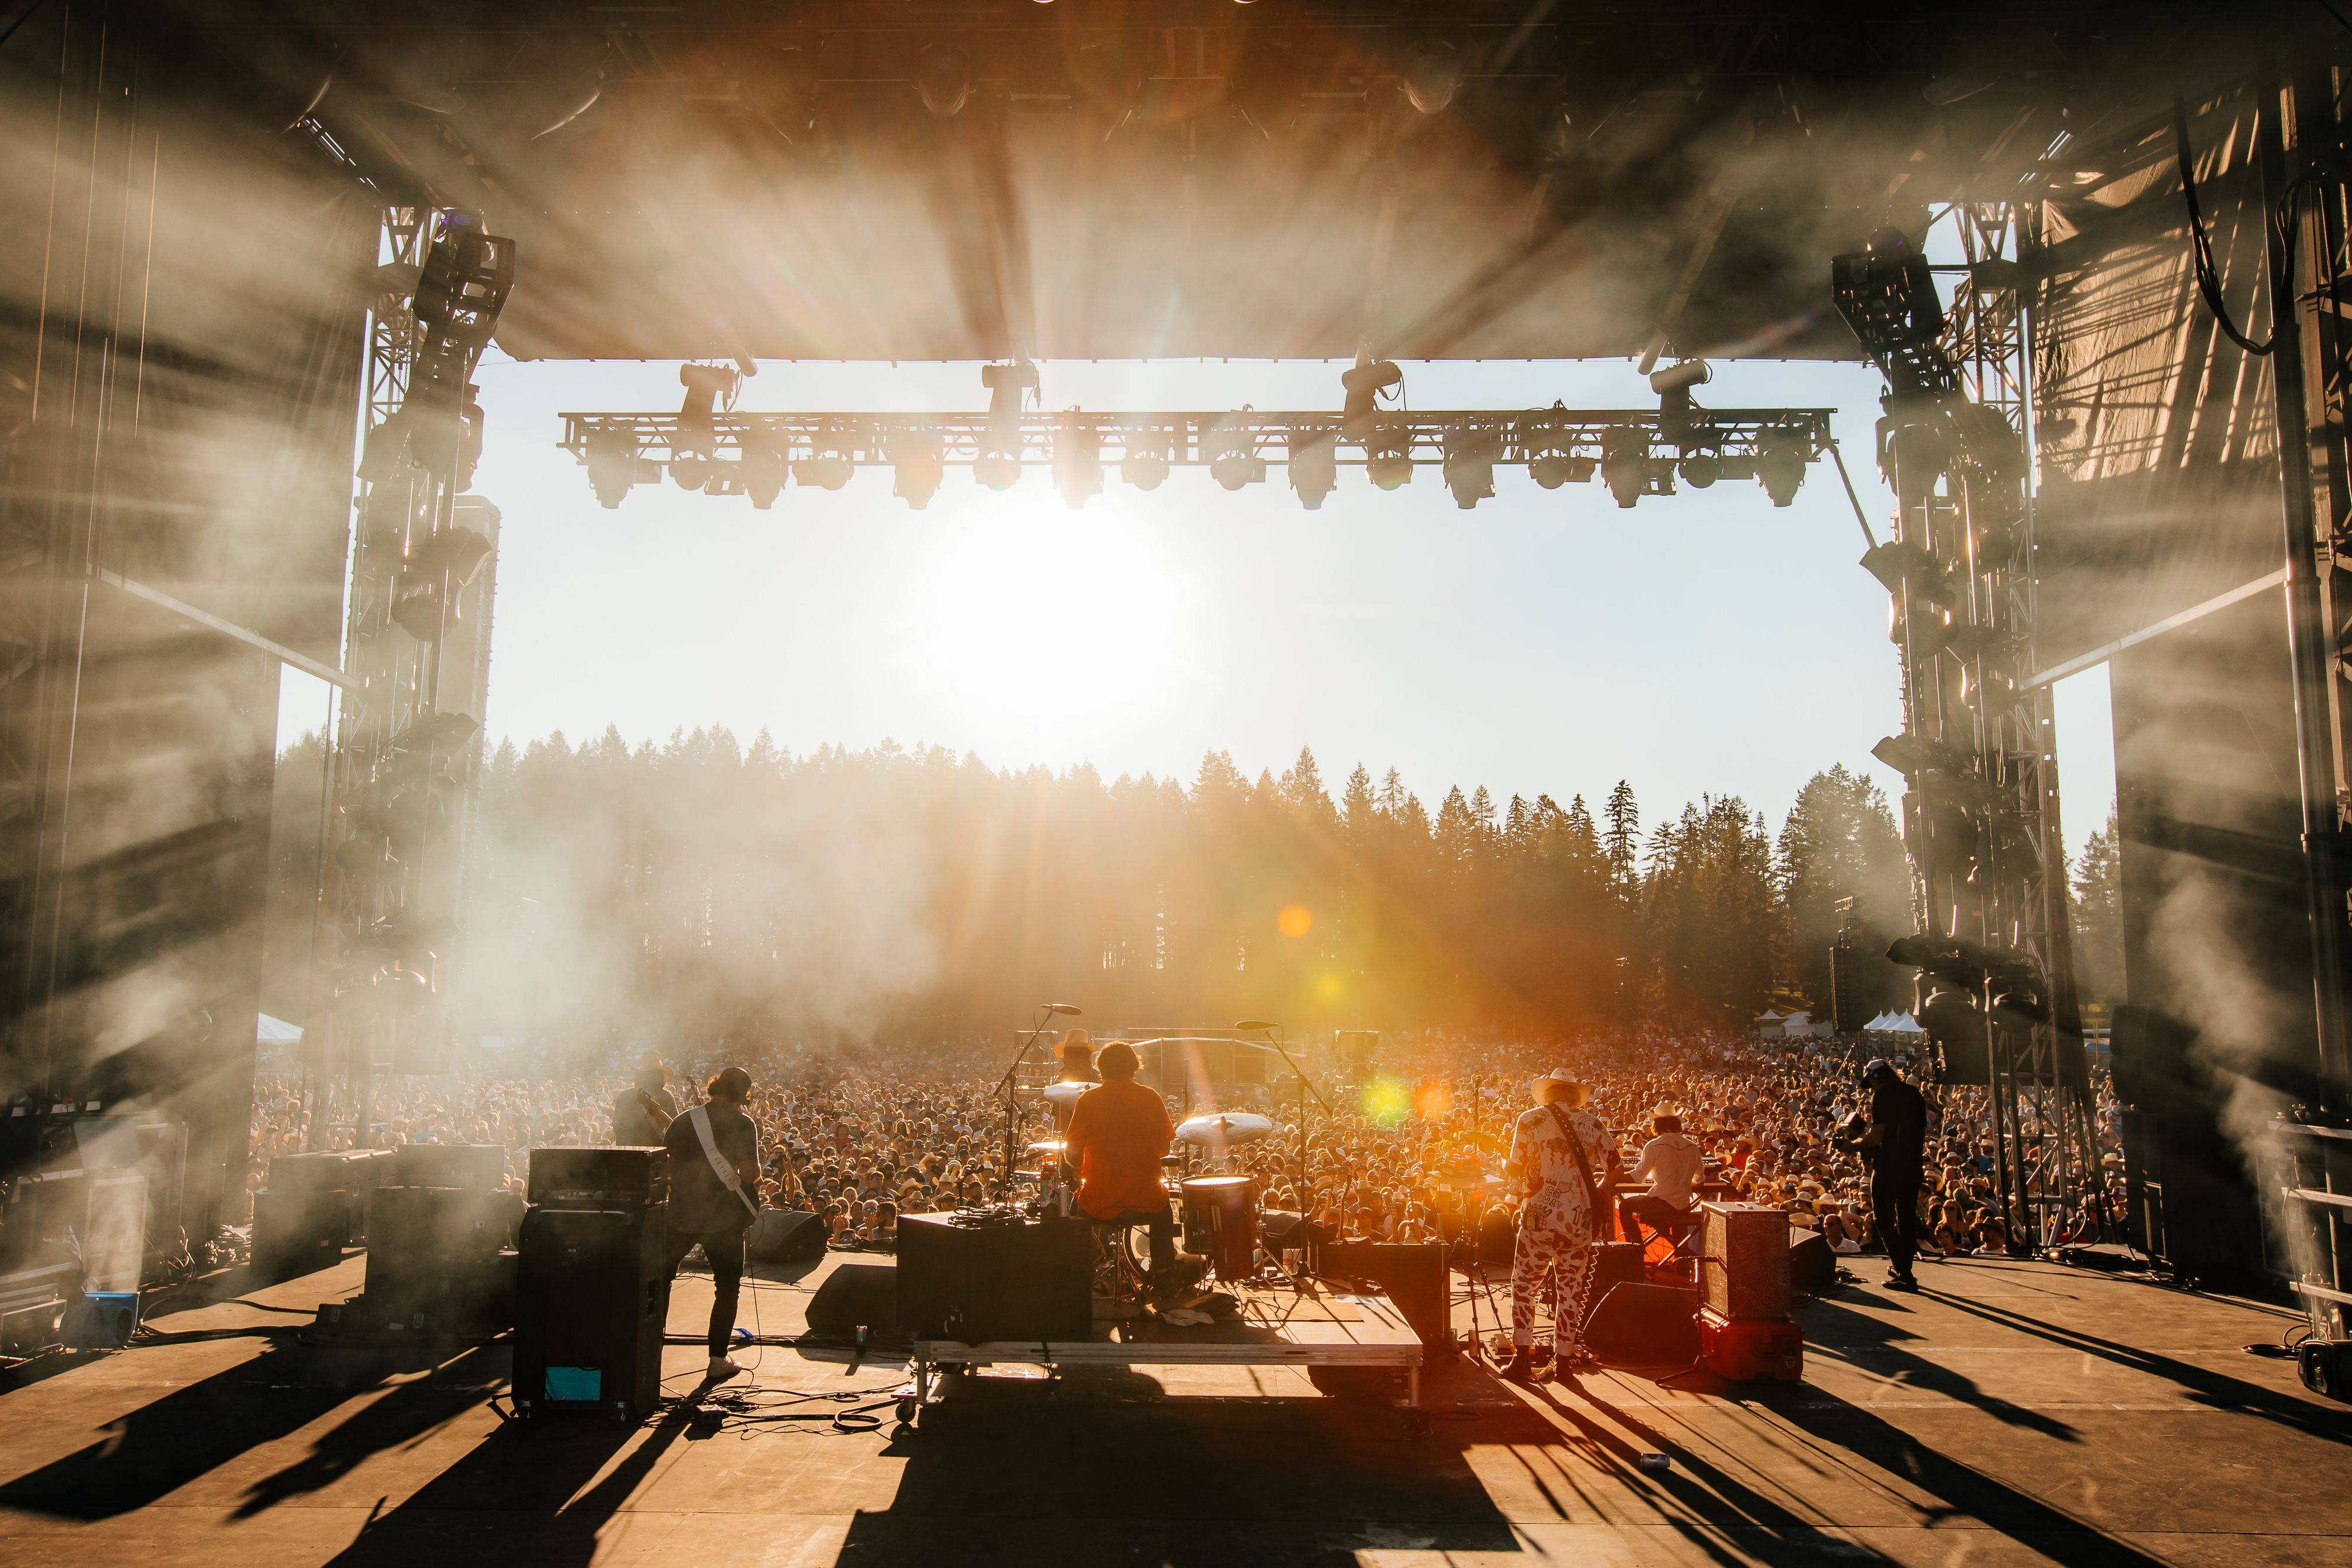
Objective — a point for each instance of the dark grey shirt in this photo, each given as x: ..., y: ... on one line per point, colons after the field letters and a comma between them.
x: 699, y: 1204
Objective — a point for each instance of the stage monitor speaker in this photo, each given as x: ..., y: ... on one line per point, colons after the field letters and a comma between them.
x: 1412, y: 1273
x: 1614, y: 1263
x: 852, y: 1297
x: 1812, y: 1267
x: 298, y: 1232
x: 469, y: 1168
x: 1644, y: 1325
x: 785, y: 1236
x: 591, y: 1296
x: 973, y: 1281
x: 599, y: 1177
x: 1744, y: 1261
x: 1278, y: 1229
x: 114, y: 1233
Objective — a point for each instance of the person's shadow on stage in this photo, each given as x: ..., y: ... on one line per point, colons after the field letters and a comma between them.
x: 533, y: 1473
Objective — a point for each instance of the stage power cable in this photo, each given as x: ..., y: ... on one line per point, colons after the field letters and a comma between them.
x: 1637, y: 452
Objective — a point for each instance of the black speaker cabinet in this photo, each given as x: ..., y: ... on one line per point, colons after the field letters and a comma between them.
x: 599, y: 1177
x: 785, y: 1236
x: 1412, y: 1273
x: 298, y: 1231
x: 1031, y: 1280
x: 471, y: 1167
x: 854, y: 1297
x: 591, y: 1300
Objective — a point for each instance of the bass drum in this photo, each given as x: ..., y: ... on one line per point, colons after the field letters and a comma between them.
x: 1221, y: 1222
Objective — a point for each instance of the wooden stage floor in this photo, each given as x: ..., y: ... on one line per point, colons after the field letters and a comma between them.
x: 2011, y: 1413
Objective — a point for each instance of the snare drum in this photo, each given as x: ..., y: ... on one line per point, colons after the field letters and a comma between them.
x: 1221, y: 1222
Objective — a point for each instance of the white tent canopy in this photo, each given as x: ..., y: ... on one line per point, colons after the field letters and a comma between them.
x: 277, y: 1032
x: 1894, y: 1023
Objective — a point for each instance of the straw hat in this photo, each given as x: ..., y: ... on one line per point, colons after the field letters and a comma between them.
x: 1568, y: 1083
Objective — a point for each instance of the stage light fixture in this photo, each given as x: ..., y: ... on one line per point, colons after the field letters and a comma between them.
x: 943, y: 79
x: 706, y: 387
x: 1625, y: 464
x: 828, y: 469
x: 1780, y: 459
x: 1432, y: 73
x: 1078, y: 464
x: 1911, y: 756
x: 1314, y: 466
x: 1681, y: 377
x: 611, y: 456
x: 1898, y: 562
x: 1236, y: 462
x: 919, y: 466
x: 457, y: 552
x: 1469, y: 466
x: 689, y: 470
x: 1144, y: 464
x: 1701, y: 468
x: 762, y: 471
x: 999, y: 471
x: 1361, y: 387
x: 1390, y: 463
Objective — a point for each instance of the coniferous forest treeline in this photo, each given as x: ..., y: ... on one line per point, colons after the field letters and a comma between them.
x: 703, y: 890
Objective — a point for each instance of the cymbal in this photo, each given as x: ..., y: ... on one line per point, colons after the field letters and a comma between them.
x: 1065, y: 1093
x: 1224, y: 1129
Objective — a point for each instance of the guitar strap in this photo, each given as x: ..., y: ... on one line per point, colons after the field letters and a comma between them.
x: 700, y: 1116
x: 1576, y: 1151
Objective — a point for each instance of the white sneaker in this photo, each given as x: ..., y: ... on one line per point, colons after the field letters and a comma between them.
x: 723, y: 1367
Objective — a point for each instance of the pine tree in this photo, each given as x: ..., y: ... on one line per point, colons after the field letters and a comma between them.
x: 2098, y: 913
x: 1622, y: 841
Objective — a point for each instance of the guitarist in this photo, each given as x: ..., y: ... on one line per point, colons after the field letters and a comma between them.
x: 643, y: 1112
x: 1562, y: 1155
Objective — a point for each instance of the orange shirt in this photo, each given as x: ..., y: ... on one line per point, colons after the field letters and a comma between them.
x: 1118, y: 1134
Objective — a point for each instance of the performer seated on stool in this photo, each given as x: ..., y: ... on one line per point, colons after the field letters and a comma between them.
x: 1562, y: 1154
x: 1117, y: 1132
x: 1673, y: 1165
x: 714, y: 1169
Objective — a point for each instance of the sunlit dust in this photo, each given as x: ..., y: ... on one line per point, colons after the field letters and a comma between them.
x: 1295, y: 920
x: 1039, y: 613
x: 1386, y: 1101
x: 1331, y: 988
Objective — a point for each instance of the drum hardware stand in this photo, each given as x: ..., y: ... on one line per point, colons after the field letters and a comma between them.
x: 1046, y: 1013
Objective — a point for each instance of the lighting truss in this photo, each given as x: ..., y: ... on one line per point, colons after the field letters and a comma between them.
x: 1735, y: 438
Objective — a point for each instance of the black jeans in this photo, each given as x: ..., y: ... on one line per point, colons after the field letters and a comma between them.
x: 1894, y: 1209
x: 725, y: 1250
x: 1651, y: 1210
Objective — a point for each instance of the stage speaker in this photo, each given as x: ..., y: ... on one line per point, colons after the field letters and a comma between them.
x: 439, y: 1262
x: 114, y: 1233
x: 1412, y: 1273
x: 599, y: 1177
x: 1278, y: 1229
x: 852, y: 1297
x: 592, y: 1295
x: 298, y: 1232
x: 469, y: 1168
x: 1614, y: 1263
x: 1812, y: 1267
x: 1644, y: 1325
x: 1744, y: 1261
x: 959, y: 1279
x: 785, y: 1236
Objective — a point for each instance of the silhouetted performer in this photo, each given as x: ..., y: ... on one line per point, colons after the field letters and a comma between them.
x: 714, y: 1171
x: 1897, y: 1146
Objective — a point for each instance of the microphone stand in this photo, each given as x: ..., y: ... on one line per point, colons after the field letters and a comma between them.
x: 1305, y: 1144
x: 1012, y: 1110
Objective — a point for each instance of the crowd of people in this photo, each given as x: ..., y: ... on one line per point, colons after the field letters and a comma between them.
x: 1411, y: 1150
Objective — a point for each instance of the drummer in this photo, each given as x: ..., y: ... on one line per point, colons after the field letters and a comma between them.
x: 1118, y: 1134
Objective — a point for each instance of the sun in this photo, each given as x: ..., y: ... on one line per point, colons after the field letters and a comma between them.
x: 1039, y: 613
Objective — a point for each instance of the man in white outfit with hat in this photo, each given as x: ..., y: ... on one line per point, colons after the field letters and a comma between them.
x: 1561, y: 1153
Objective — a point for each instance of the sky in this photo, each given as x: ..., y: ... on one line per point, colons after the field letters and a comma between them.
x: 1546, y: 641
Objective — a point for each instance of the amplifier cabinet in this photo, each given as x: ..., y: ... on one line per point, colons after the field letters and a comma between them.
x: 1412, y: 1275
x: 472, y: 1168
x: 300, y: 1231
x: 1028, y: 1281
x: 1744, y: 1261
x: 591, y: 1301
x: 599, y: 1177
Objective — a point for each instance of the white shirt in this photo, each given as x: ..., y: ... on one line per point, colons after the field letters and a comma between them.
x: 1538, y: 1151
x: 1673, y: 1165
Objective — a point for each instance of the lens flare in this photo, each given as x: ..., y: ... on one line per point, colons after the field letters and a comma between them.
x: 1296, y: 920
x: 1386, y: 1101
x: 1432, y: 1101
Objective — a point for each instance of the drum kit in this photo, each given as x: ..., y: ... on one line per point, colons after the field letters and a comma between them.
x: 1219, y: 1211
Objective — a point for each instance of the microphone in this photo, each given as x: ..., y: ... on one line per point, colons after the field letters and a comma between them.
x: 1065, y: 1009
x: 1254, y: 1026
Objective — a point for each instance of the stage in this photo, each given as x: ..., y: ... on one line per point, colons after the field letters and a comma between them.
x: 1999, y: 1416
